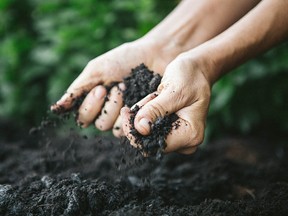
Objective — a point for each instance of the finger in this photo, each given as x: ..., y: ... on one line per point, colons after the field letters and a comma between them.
x: 145, y: 100
x: 117, y: 127
x: 189, y: 132
x: 111, y: 109
x: 184, y: 138
x: 81, y: 85
x: 126, y: 125
x: 165, y: 103
x: 91, y: 105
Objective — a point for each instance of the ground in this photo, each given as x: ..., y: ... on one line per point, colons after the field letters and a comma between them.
x: 72, y: 175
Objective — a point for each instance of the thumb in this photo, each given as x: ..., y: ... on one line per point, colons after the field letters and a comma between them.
x: 154, y: 106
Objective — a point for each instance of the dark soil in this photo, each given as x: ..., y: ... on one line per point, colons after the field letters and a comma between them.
x: 154, y: 143
x: 139, y: 84
x: 49, y: 174
x: 100, y: 176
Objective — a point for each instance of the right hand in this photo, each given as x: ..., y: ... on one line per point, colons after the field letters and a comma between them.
x: 102, y: 71
x: 185, y: 89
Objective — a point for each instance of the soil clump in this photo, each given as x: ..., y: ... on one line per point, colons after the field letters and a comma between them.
x: 139, y: 84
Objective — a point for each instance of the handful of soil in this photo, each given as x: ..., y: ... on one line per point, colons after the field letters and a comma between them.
x: 154, y: 143
x: 139, y: 84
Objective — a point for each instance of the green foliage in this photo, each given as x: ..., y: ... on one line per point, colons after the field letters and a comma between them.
x: 253, y: 98
x: 46, y: 44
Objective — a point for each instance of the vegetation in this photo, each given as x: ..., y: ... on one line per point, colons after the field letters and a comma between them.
x: 46, y: 44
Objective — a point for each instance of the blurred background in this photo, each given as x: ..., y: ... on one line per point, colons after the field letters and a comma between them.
x: 44, y: 45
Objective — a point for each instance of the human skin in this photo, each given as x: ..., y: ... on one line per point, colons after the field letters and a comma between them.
x: 188, y: 79
x: 190, y: 24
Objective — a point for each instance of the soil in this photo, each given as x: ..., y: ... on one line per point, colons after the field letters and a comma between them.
x: 153, y: 144
x: 73, y: 175
x: 139, y: 84
x: 48, y: 173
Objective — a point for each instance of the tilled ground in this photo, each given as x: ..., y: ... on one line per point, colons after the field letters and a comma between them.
x: 100, y: 176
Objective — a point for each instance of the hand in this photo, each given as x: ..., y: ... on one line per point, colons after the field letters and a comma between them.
x: 104, y: 70
x: 184, y: 90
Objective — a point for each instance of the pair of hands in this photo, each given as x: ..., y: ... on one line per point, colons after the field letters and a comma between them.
x: 184, y: 90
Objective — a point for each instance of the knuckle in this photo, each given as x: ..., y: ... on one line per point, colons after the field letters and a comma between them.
x: 156, y: 109
x: 198, y: 139
x: 92, y: 68
x: 91, y: 63
x: 125, y: 45
x: 162, y: 86
x: 197, y: 136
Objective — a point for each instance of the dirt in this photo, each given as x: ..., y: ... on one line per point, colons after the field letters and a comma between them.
x: 47, y: 173
x: 139, y: 84
x: 100, y: 176
x: 153, y: 144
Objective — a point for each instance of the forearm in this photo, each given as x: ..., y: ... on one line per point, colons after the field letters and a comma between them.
x: 264, y: 27
x: 194, y: 22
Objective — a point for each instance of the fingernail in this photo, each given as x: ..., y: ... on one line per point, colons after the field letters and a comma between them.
x: 100, y: 92
x: 144, y: 126
x: 122, y: 86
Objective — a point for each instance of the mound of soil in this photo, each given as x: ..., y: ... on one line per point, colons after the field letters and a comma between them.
x: 100, y: 176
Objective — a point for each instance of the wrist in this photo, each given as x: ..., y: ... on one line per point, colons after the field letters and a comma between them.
x: 160, y: 52
x: 203, y: 61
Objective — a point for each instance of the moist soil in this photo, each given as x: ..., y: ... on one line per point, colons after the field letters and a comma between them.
x: 50, y: 173
x: 139, y: 84
x: 153, y: 144
x: 72, y: 175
